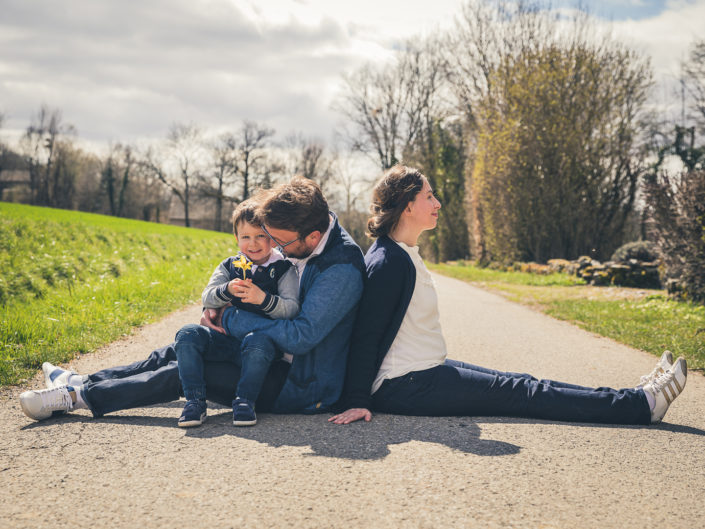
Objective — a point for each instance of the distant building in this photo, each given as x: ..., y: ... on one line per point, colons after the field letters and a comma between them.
x: 201, y: 214
x: 15, y: 186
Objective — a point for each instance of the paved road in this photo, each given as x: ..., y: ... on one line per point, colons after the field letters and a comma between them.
x: 137, y: 469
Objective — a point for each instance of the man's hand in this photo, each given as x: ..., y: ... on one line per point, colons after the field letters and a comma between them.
x: 213, y: 318
x: 247, y: 291
x: 351, y: 415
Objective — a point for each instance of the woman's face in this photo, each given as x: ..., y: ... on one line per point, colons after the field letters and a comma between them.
x: 423, y: 211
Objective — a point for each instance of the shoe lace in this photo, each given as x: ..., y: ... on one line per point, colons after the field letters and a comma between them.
x: 645, y: 379
x: 658, y: 384
x: 59, y: 399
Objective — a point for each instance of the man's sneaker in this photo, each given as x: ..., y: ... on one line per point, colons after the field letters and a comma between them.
x: 664, y: 364
x: 55, y: 376
x: 39, y: 404
x: 244, y: 412
x: 666, y: 388
x: 194, y: 413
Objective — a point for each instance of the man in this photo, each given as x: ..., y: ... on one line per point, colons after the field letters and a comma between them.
x: 315, y: 343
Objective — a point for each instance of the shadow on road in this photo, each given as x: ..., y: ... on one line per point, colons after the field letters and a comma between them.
x: 361, y: 441
x: 364, y: 441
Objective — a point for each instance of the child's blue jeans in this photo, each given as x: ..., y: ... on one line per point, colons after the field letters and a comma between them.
x: 197, y: 344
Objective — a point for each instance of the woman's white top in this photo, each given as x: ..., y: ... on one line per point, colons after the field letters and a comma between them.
x: 419, y: 344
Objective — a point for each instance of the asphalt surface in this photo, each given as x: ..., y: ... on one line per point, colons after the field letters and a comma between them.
x: 136, y: 468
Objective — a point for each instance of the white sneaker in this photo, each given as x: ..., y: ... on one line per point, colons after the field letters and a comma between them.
x: 666, y: 388
x: 41, y: 404
x: 664, y: 364
x: 55, y: 376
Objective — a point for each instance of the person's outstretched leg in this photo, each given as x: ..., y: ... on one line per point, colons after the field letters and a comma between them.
x: 449, y: 390
x: 150, y: 381
x: 142, y: 389
x: 157, y: 359
x: 554, y: 383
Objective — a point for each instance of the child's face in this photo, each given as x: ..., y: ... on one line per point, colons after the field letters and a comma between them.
x: 254, y: 243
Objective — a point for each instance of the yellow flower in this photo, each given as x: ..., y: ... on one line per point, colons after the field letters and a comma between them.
x: 243, y: 263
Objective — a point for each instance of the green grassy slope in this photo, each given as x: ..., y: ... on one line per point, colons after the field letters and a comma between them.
x: 71, y: 281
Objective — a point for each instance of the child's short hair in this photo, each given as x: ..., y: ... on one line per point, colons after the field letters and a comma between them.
x: 246, y: 211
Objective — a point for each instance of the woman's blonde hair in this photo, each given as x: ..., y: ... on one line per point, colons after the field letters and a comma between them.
x: 397, y: 187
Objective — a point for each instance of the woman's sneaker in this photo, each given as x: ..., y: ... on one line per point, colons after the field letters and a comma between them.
x: 40, y: 404
x: 665, y: 388
x: 244, y: 412
x: 664, y: 364
x: 193, y: 414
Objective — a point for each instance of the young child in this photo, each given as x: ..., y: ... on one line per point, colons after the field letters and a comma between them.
x: 257, y: 279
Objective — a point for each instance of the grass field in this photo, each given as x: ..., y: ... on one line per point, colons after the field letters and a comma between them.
x: 641, y: 318
x: 71, y: 282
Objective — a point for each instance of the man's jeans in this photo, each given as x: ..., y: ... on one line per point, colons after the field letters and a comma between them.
x: 156, y: 380
x: 457, y: 388
x: 196, y: 344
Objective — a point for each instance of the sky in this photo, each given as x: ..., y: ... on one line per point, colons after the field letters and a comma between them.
x: 125, y: 70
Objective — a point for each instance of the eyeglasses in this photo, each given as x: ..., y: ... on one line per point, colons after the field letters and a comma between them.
x: 280, y: 245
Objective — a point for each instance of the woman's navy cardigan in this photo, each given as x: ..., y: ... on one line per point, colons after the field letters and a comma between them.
x: 389, y: 285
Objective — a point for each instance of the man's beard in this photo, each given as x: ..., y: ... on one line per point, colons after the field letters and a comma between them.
x: 302, y: 254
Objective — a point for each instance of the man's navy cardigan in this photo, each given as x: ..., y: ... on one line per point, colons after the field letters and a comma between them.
x: 391, y: 277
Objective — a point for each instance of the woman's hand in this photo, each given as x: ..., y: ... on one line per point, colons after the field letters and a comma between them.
x: 351, y: 415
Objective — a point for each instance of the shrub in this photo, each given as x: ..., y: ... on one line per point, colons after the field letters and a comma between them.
x: 677, y: 212
x: 640, y: 250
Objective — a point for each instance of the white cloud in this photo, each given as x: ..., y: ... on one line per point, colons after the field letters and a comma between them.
x: 121, y: 71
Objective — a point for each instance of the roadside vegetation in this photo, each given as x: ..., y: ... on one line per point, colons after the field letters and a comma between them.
x: 643, y: 318
x: 71, y: 282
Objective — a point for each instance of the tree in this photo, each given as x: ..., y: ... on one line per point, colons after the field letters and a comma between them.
x: 183, y: 165
x: 554, y: 118
x: 116, y: 174
x: 222, y: 174
x: 384, y: 106
x: 676, y: 209
x: 254, y: 165
x: 46, y: 146
x: 309, y: 158
x: 694, y: 81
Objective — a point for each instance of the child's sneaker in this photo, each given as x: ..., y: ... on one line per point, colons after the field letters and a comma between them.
x: 664, y: 364
x: 666, y: 388
x: 194, y: 413
x: 40, y: 404
x: 244, y: 412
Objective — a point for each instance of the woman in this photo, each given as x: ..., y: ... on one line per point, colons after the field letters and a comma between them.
x: 398, y: 356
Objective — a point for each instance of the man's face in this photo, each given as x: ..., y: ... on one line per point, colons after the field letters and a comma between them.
x: 292, y: 244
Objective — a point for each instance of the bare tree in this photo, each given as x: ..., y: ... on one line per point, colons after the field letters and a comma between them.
x: 222, y: 174
x: 385, y: 107
x: 116, y: 173
x: 183, y: 164
x: 310, y: 158
x: 44, y: 144
x: 255, y: 166
x: 694, y: 80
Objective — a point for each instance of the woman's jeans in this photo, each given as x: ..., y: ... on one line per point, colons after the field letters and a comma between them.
x: 156, y: 380
x: 457, y: 388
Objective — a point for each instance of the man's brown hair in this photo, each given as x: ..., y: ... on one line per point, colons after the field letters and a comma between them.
x: 298, y: 205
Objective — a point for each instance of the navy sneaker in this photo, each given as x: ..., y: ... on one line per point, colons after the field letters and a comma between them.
x: 244, y: 412
x: 194, y: 413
